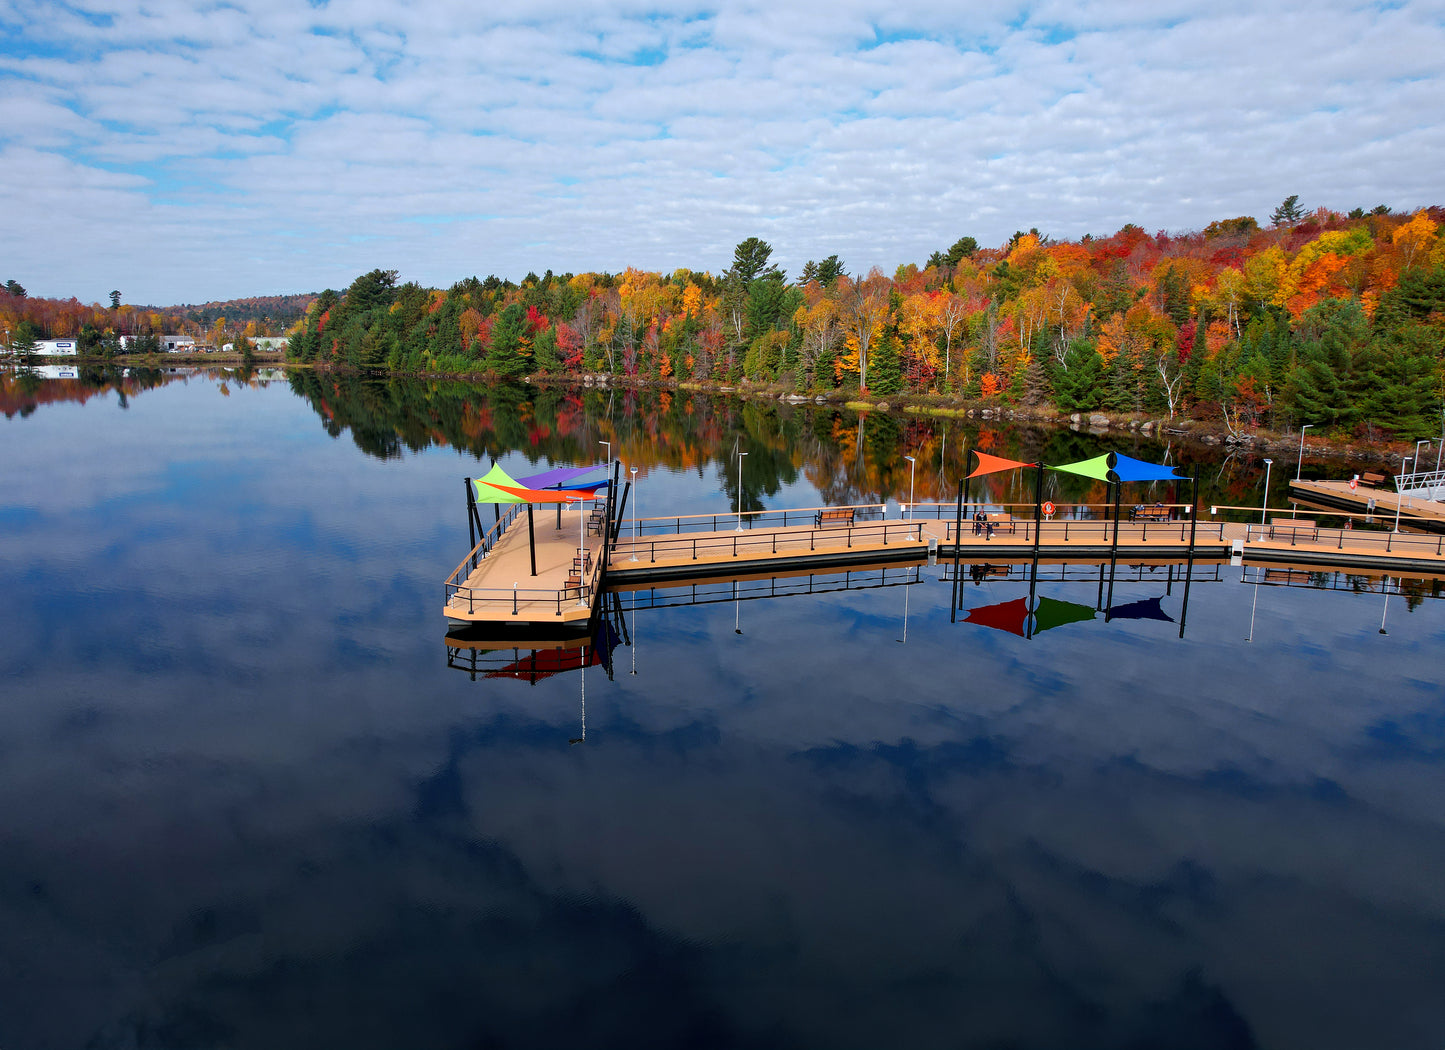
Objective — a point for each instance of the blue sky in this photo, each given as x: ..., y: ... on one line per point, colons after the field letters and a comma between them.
x: 183, y: 152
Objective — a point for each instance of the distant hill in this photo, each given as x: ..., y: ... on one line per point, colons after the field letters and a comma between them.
x: 278, y: 312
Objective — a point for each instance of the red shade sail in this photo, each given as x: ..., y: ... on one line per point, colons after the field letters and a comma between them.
x: 993, y: 464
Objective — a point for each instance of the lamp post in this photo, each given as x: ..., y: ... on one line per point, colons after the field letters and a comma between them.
x: 1264, y: 505
x: 740, y: 490
x: 1301, y: 465
x: 1426, y: 443
x: 581, y: 554
x: 609, y: 449
x: 1399, y: 496
x: 634, y: 513
x: 912, y: 466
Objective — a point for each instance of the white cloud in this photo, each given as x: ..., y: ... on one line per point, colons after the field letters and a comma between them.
x: 599, y: 136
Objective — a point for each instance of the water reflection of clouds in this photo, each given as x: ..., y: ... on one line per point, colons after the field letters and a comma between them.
x: 236, y: 767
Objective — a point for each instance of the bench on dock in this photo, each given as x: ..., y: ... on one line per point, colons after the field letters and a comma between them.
x: 999, y: 521
x: 1158, y: 512
x: 834, y: 518
x: 1293, y: 528
x: 1372, y: 480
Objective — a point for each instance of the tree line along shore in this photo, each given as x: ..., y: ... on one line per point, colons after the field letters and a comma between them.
x: 1335, y: 321
x: 1240, y: 330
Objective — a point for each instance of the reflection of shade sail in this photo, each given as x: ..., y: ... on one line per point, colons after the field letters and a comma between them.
x: 1007, y: 616
x: 497, y: 486
x: 993, y: 464
x: 1145, y: 609
x: 1054, y: 613
x: 1114, y: 467
x: 1013, y: 616
x: 544, y: 663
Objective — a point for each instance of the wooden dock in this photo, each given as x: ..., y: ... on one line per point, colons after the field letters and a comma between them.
x: 1365, y: 503
x: 495, y: 589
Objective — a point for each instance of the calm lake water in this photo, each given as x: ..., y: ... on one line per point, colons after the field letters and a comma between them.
x: 246, y: 802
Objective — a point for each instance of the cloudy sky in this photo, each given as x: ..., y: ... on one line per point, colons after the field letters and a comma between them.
x: 182, y: 150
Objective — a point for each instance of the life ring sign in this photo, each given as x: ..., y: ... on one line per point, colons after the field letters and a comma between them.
x: 1048, y: 508
x: 1354, y: 483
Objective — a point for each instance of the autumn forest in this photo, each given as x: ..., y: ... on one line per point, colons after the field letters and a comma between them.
x: 1336, y: 320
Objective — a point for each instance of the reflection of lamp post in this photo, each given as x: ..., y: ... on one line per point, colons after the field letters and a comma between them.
x: 634, y: 513
x: 1252, y: 608
x: 912, y: 465
x: 740, y: 490
x: 1399, y: 496
x: 583, y: 738
x: 1385, y: 586
x: 609, y: 449
x: 1264, y: 505
x: 1301, y: 466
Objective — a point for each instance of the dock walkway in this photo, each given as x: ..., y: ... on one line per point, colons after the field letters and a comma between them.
x: 495, y: 586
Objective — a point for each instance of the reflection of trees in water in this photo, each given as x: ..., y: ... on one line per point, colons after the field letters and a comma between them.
x: 849, y: 457
x: 24, y: 390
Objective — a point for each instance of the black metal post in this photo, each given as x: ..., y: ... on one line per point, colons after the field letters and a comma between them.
x: 1038, y: 506
x: 471, y: 526
x: 1113, y: 554
x: 1033, y: 585
x: 1189, y: 563
x: 531, y: 540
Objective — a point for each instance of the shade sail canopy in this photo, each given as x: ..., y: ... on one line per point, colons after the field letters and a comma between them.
x: 497, y: 486
x: 1127, y: 469
x: 521, y: 495
x: 1096, y: 468
x: 559, y: 476
x: 993, y: 464
x: 1113, y: 467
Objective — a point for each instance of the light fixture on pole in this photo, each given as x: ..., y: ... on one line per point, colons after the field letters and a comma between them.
x: 912, y: 465
x: 1301, y: 465
x: 609, y: 449
x: 634, y: 513
x: 740, y: 490
x: 1264, y: 504
x: 1399, y: 496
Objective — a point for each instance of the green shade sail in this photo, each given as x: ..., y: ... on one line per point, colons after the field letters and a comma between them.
x: 1096, y: 468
